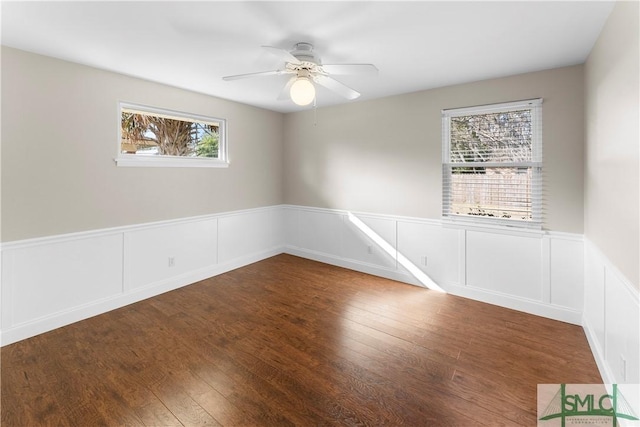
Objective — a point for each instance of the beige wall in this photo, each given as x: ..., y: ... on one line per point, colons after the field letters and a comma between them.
x: 58, y: 175
x: 612, y: 138
x: 59, y: 138
x: 384, y: 156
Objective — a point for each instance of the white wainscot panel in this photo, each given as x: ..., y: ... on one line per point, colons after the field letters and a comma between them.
x: 248, y: 233
x: 291, y: 224
x: 622, y: 320
x: 369, y: 240
x: 320, y: 232
x: 45, y: 279
x: 433, y: 249
x: 567, y: 273
x: 594, y: 296
x: 505, y: 263
x: 161, y: 252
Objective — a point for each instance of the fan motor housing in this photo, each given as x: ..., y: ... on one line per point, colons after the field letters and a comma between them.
x: 304, y: 52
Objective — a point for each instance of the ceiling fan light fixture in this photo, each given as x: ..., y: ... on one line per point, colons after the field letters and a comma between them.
x: 302, y: 91
x: 306, y: 71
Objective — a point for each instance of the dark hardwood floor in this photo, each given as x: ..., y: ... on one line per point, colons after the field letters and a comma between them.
x: 289, y: 341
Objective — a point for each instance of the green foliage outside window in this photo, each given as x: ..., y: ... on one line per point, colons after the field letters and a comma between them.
x: 144, y: 133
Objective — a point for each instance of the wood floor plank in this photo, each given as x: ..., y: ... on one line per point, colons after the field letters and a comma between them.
x: 288, y: 341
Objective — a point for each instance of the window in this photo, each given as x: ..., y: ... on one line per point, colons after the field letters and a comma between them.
x: 492, y: 164
x: 155, y: 137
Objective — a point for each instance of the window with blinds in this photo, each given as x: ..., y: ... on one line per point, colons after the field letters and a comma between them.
x: 492, y: 163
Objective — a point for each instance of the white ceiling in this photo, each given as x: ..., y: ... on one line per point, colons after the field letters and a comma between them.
x: 416, y: 45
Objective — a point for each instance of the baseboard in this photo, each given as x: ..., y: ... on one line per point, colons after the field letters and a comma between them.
x: 54, y: 281
x: 598, y: 355
x: 532, y: 307
x: 539, y: 273
x: 537, y: 308
x: 362, y: 267
x: 67, y: 317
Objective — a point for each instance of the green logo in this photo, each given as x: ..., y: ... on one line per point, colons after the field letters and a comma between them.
x: 584, y: 403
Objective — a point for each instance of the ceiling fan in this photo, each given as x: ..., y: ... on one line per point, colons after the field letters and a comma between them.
x: 306, y: 68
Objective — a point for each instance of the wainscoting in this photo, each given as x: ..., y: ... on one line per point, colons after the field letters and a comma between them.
x: 540, y: 273
x: 611, y: 319
x: 54, y: 281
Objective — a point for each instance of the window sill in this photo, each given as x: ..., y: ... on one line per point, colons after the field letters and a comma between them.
x: 528, y: 230
x: 169, y: 162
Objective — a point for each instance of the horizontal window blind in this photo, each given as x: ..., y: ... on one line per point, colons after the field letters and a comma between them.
x: 492, y: 163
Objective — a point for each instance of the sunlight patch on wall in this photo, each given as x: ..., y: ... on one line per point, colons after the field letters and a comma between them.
x: 389, y: 249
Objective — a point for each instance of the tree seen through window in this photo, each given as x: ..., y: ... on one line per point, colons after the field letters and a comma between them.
x: 157, y: 134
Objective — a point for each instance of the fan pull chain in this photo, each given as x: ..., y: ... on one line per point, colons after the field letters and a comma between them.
x: 315, y: 112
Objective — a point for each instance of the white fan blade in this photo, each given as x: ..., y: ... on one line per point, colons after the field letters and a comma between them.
x: 359, y: 69
x: 282, y: 54
x: 336, y: 86
x: 260, y: 74
x: 284, y: 93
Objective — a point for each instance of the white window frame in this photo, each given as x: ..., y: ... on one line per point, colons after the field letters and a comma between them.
x: 137, y: 160
x: 535, y: 105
